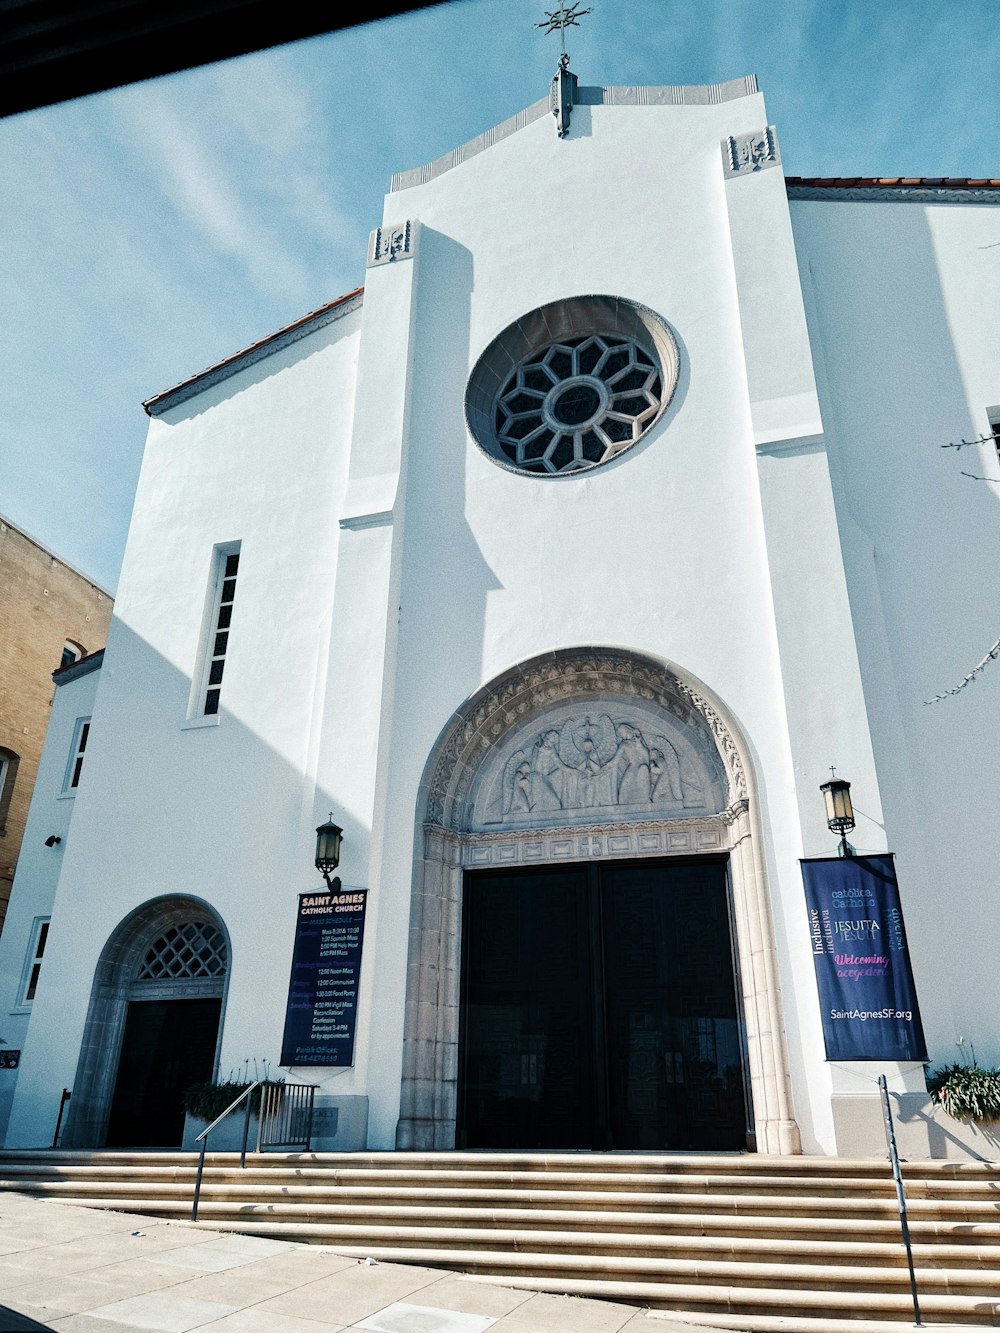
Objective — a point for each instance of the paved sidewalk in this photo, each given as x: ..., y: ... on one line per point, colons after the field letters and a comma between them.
x: 80, y: 1270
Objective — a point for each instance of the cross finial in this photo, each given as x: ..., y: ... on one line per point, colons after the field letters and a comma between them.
x: 833, y: 774
x: 558, y: 20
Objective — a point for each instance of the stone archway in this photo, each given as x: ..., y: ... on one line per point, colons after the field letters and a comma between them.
x: 121, y: 967
x: 483, y: 802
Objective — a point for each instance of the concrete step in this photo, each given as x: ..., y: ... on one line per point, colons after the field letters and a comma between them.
x: 860, y: 1235
x: 608, y: 1267
x: 543, y: 1163
x: 746, y: 1238
x: 132, y: 1193
x: 341, y: 1167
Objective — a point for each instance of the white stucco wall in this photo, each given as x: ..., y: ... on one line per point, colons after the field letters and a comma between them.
x: 222, y: 812
x: 902, y: 308
x: 34, y: 892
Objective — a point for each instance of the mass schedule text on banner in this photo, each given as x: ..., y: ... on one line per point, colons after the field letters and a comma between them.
x: 322, y: 1010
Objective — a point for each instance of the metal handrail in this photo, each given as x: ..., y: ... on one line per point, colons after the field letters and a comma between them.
x: 231, y: 1107
x: 203, y: 1140
x: 897, y: 1175
x: 276, y: 1109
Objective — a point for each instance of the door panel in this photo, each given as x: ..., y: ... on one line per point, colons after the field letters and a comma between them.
x: 600, y: 1010
x: 675, y: 1063
x: 527, y: 1011
x: 167, y: 1045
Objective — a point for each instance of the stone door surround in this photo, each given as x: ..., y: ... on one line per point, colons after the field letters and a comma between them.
x: 582, y: 754
x: 116, y: 981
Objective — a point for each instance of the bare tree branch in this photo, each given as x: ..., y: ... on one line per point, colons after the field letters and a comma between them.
x: 964, y: 444
x: 977, y: 670
x: 994, y: 652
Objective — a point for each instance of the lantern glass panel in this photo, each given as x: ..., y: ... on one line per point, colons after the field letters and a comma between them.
x: 839, y: 811
x: 328, y: 840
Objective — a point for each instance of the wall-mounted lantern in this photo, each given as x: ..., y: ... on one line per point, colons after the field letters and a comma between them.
x: 839, y: 811
x: 328, y: 839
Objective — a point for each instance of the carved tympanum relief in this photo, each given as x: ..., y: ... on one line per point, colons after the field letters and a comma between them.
x: 588, y: 763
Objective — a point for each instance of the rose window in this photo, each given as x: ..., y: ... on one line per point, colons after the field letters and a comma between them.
x: 571, y: 385
x: 577, y: 404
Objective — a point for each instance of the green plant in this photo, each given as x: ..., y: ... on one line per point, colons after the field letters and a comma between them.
x: 205, y: 1101
x: 967, y: 1090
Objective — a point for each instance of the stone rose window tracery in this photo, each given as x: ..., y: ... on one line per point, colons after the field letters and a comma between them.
x: 577, y: 403
x: 571, y: 385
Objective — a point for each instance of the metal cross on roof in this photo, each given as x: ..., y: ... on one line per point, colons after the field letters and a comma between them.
x: 558, y: 20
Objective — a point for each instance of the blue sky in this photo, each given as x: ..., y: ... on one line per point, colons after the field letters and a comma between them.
x: 147, y: 232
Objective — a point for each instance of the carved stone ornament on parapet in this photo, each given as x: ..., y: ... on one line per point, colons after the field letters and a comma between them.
x: 387, y: 244
x: 743, y: 154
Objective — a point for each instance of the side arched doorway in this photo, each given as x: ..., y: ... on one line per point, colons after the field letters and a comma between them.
x: 153, y: 1025
x: 590, y: 806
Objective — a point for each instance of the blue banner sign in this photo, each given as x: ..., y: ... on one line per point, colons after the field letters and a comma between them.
x: 322, y: 1010
x: 866, y: 991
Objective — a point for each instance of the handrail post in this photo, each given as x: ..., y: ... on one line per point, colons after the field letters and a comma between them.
x: 890, y: 1136
x: 309, y: 1118
x: 264, y: 1093
x: 66, y: 1095
x: 197, y: 1181
x: 246, y: 1134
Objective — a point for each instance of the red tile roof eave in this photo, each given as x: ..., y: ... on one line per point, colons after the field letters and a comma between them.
x: 897, y: 182
x: 149, y: 403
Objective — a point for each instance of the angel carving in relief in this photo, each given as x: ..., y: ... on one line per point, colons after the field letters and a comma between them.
x: 596, y: 762
x: 672, y: 782
x: 588, y: 751
x: 534, y: 777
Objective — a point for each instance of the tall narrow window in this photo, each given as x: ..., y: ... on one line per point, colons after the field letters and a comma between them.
x: 33, y: 963
x: 995, y: 428
x: 218, y: 641
x: 75, y: 766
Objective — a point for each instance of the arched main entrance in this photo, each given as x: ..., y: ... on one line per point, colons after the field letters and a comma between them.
x: 152, y: 1026
x: 583, y: 758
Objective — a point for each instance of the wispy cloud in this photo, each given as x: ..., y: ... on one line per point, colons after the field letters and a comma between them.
x: 194, y: 177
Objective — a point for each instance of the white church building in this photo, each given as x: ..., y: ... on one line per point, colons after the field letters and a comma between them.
x: 557, y: 566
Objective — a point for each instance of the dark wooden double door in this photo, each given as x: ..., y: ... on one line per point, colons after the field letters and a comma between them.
x: 167, y: 1045
x: 600, y: 1010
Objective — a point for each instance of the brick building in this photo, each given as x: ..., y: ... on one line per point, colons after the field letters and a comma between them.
x: 50, y: 615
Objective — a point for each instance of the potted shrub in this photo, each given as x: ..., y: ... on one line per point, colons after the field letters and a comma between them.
x: 967, y: 1091
x: 203, y: 1102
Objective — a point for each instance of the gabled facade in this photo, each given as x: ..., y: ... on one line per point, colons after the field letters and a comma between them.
x: 560, y: 564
